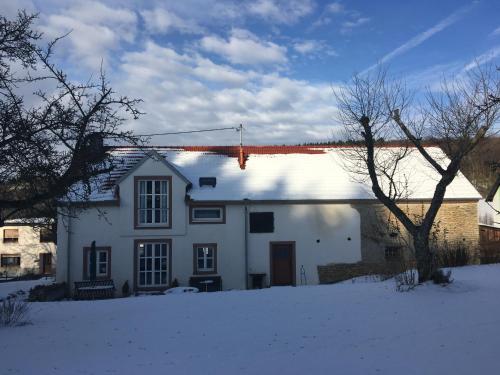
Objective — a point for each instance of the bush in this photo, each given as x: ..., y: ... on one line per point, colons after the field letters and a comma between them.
x: 46, y: 293
x: 406, y: 280
x: 126, y: 289
x: 453, y: 256
x: 14, y: 312
x: 442, y: 278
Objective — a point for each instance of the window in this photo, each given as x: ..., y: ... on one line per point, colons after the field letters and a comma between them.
x: 392, y: 253
x: 153, y: 201
x: 10, y: 260
x: 102, y: 262
x: 261, y: 222
x: 207, y: 214
x: 47, y: 235
x: 152, y: 264
x: 208, y: 181
x: 205, y: 259
x: 10, y: 235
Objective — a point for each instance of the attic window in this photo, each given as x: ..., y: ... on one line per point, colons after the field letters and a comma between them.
x: 208, y: 181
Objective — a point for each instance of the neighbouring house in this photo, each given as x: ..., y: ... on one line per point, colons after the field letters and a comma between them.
x: 27, y: 246
x: 493, y: 202
x: 489, y: 224
x: 230, y: 217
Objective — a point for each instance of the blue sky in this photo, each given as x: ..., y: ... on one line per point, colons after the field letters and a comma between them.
x: 269, y: 64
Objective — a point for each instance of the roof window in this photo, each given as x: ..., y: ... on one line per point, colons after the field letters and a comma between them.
x: 208, y: 181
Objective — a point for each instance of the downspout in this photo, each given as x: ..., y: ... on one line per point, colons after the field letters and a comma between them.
x: 246, y: 245
x: 68, y: 254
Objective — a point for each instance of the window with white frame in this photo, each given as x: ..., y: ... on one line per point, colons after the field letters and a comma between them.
x: 152, y: 264
x: 153, y: 201
x: 205, y: 258
x: 207, y: 214
x: 102, y: 262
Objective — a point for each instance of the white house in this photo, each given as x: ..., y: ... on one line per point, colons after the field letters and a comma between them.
x: 491, y: 206
x: 228, y: 214
x: 26, y: 247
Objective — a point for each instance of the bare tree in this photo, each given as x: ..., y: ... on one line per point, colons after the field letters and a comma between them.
x: 47, y: 147
x: 375, y: 111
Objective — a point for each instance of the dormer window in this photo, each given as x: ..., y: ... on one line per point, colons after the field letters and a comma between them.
x: 152, y: 202
x: 208, y: 181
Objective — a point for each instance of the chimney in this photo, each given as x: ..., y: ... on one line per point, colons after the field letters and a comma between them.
x: 241, y: 158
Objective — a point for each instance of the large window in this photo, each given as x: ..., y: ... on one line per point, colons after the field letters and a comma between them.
x: 205, y: 215
x: 261, y: 222
x: 152, y: 264
x: 153, y: 201
x: 205, y: 259
x: 10, y: 260
x: 101, y: 264
x: 10, y: 235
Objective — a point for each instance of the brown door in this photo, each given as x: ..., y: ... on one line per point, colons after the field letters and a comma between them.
x: 282, y: 263
x: 45, y: 263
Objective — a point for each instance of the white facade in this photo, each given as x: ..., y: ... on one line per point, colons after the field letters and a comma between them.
x: 323, y: 233
x: 310, y: 195
x: 28, y: 247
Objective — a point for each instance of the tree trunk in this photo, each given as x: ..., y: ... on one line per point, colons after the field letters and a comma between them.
x: 424, y: 257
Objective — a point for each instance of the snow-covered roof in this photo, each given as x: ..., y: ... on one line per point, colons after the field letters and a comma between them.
x: 275, y: 173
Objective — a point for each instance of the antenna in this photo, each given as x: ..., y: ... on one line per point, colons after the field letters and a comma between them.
x: 240, y: 129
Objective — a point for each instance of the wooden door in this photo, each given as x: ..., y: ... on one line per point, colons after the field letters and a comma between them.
x: 45, y: 263
x: 282, y: 263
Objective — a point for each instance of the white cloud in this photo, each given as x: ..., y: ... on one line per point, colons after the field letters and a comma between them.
x: 245, y: 48
x: 422, y: 37
x: 180, y: 95
x: 484, y: 58
x: 348, y: 26
x: 160, y: 20
x: 495, y: 32
x: 313, y: 48
x: 95, y: 30
x: 334, y: 7
x: 281, y: 11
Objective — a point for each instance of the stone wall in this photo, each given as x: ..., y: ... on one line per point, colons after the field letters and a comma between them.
x: 334, y: 273
x: 456, y: 222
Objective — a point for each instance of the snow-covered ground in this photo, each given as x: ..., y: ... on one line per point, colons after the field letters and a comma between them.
x: 348, y: 328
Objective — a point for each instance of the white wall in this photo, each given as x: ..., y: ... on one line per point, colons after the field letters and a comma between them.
x: 29, y: 247
x: 114, y: 226
x: 331, y: 224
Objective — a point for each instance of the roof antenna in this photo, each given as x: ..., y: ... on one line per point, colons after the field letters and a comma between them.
x: 240, y: 129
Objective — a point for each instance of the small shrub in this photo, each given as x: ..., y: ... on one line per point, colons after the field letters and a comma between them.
x: 455, y: 255
x: 126, y: 289
x: 46, y: 293
x: 407, y: 279
x: 14, y: 311
x: 175, y: 283
x: 441, y: 277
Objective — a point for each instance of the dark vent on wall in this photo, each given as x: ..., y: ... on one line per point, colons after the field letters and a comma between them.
x: 208, y: 181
